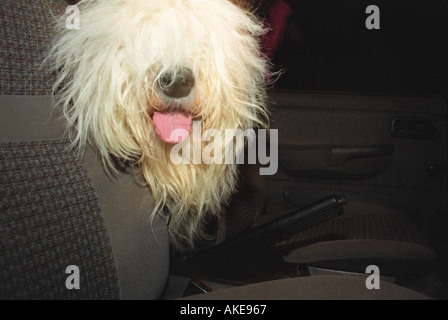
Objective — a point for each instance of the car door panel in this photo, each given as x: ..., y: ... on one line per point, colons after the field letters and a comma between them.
x: 341, y: 143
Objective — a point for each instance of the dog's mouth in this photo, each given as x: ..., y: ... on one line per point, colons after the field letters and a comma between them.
x: 173, y: 121
x: 172, y: 126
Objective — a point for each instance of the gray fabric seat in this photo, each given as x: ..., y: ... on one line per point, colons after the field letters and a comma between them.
x: 367, y: 233
x: 333, y: 287
x: 58, y: 210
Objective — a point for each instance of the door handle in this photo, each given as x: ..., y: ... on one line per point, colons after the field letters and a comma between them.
x: 413, y: 128
x: 340, y: 155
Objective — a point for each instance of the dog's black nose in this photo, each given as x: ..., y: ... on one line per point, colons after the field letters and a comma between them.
x: 177, y: 84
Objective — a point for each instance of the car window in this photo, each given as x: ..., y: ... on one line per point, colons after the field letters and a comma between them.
x: 328, y: 47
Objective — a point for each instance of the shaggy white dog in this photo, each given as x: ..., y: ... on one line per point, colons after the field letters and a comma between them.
x: 137, y: 70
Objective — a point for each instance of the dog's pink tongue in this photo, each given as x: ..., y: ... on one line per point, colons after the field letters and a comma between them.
x: 172, y: 127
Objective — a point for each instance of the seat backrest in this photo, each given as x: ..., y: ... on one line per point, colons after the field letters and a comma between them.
x: 58, y: 209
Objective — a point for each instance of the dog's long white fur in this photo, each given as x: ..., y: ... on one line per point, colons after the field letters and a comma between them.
x: 106, y: 86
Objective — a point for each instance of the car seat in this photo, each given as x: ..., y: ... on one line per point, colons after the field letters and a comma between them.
x: 366, y: 234
x: 58, y: 210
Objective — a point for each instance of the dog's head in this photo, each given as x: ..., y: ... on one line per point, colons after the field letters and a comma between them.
x: 137, y: 70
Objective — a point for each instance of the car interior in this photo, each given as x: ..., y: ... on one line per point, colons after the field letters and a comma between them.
x: 361, y: 183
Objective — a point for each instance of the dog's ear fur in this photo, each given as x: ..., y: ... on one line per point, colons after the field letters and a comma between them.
x: 260, y: 8
x: 245, y: 4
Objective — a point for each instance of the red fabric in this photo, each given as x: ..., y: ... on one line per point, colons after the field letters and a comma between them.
x: 276, y: 20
